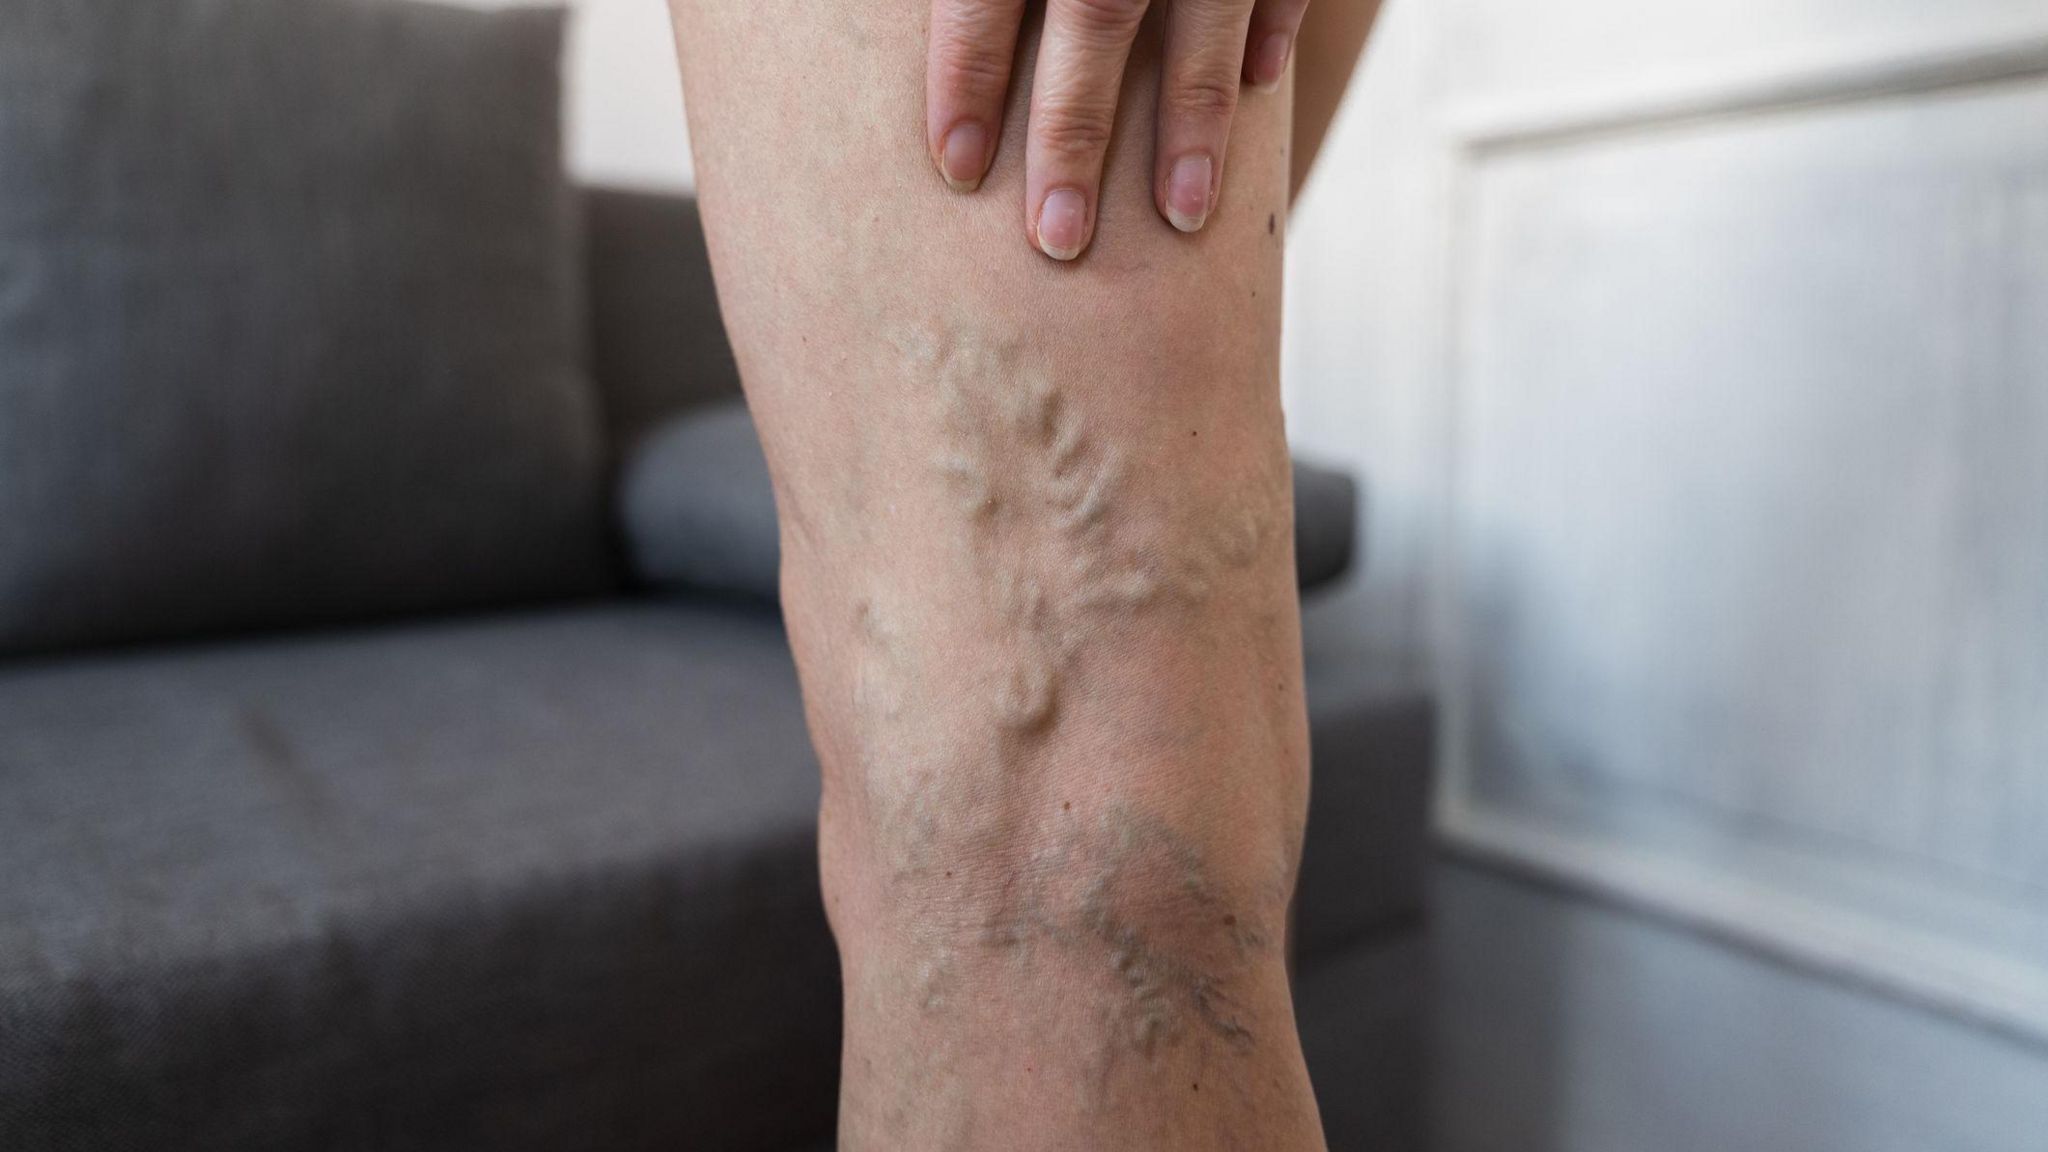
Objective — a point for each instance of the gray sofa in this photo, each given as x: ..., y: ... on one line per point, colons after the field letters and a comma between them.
x: 398, y: 744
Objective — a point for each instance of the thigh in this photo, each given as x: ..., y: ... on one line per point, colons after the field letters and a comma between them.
x: 1061, y: 487
x: 839, y: 250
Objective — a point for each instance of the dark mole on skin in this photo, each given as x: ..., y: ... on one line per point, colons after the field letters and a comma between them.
x: 1272, y: 221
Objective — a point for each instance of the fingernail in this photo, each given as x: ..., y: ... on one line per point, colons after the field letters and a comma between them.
x: 1187, y: 192
x: 1063, y: 224
x: 1271, y: 62
x: 965, y: 157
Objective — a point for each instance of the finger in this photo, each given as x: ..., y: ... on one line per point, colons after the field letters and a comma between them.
x: 1197, y: 97
x: 1269, y: 47
x: 967, y: 75
x: 1073, y: 111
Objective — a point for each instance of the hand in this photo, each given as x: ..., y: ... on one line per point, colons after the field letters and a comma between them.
x: 1074, y: 96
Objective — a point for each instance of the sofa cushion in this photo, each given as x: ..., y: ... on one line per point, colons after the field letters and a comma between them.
x: 532, y: 883
x: 699, y: 512
x: 290, y: 317
x: 698, y: 508
x: 526, y: 883
x: 1326, y: 525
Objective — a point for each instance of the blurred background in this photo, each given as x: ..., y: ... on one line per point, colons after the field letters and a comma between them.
x: 1696, y: 355
x: 1692, y: 360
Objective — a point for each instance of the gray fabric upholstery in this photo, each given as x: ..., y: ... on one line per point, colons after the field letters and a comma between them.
x: 526, y: 883
x: 1363, y: 859
x: 1360, y: 981
x: 1326, y: 524
x: 658, y: 344
x: 698, y: 508
x: 699, y: 512
x: 535, y: 883
x: 1364, y: 1013
x: 290, y: 317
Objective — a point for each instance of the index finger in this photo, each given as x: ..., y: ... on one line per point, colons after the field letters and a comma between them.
x: 967, y: 74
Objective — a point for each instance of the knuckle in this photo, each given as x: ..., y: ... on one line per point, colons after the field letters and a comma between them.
x: 981, y: 14
x: 1202, y: 96
x: 1277, y: 15
x: 972, y: 67
x: 1105, y: 15
x: 1074, y: 131
x: 1288, y: 13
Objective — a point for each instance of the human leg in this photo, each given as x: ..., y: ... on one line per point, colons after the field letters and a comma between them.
x: 1038, y: 577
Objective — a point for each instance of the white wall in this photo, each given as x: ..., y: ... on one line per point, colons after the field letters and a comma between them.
x: 625, y: 99
x: 1693, y: 353
x: 1363, y: 338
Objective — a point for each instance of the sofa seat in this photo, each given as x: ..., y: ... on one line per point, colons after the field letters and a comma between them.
x: 533, y: 882
x: 539, y: 882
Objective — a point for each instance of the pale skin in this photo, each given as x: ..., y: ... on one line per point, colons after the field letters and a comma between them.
x: 1038, y: 577
x: 1207, y: 50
